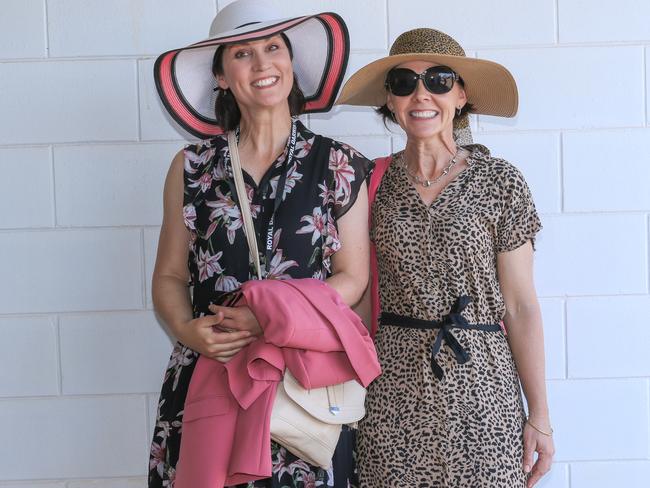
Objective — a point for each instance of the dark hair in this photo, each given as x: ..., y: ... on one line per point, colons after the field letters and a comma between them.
x: 227, y: 111
x: 387, y: 115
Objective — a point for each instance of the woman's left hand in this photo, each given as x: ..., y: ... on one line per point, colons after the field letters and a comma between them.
x: 237, y: 318
x: 542, y: 444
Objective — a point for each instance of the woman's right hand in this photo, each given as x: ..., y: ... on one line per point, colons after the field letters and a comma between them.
x: 204, y: 336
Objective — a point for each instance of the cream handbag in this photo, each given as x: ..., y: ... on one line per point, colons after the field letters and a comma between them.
x: 306, y: 422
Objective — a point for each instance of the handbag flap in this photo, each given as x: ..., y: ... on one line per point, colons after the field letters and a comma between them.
x: 338, y: 404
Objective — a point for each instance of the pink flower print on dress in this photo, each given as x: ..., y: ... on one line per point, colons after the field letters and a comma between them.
x: 219, y: 172
x: 157, y: 457
x: 208, y: 265
x: 194, y: 160
x: 315, y: 223
x: 278, y: 267
x: 235, y: 221
x: 189, y: 216
x: 171, y: 478
x: 181, y: 356
x: 326, y: 194
x: 226, y: 283
x: 224, y: 207
x: 303, y: 146
x: 332, y: 242
x: 292, y: 178
x: 309, y: 480
x: 343, y: 175
x: 204, y: 181
x: 351, y: 151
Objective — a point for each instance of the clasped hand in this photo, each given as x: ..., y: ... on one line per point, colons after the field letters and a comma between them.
x: 222, y: 335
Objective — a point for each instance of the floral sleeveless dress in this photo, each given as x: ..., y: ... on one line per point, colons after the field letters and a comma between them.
x: 321, y: 185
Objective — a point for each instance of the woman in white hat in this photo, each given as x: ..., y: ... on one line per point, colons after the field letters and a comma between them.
x: 307, y: 193
x: 453, y: 229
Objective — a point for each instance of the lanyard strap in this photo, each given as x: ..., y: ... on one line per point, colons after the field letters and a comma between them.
x: 242, y: 198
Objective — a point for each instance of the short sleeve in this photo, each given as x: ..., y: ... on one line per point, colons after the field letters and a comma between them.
x: 519, y: 221
x: 348, y: 170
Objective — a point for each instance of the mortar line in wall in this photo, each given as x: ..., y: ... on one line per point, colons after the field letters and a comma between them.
x: 148, y: 420
x: 560, y: 149
x: 565, y: 326
x: 59, y: 373
x: 79, y: 396
x: 648, y: 402
x: 67, y: 481
x: 71, y: 313
x: 645, y: 83
x: 647, y: 244
x: 627, y: 377
x: 149, y: 142
x: 597, y: 461
x: 557, y: 21
x: 143, y: 270
x: 47, y: 30
x: 558, y: 129
x: 77, y: 228
x: 53, y: 176
x: 565, y: 45
x: 137, y: 98
x: 387, y: 4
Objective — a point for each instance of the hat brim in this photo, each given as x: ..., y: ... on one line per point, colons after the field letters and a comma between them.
x: 320, y: 45
x: 490, y: 87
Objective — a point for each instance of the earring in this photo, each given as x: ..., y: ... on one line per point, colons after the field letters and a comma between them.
x: 458, y: 110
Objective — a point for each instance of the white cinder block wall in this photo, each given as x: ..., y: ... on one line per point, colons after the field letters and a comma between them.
x: 84, y: 148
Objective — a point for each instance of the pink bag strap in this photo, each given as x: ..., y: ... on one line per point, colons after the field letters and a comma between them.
x: 381, y: 165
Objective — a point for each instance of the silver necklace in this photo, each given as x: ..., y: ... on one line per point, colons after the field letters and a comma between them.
x: 424, y: 182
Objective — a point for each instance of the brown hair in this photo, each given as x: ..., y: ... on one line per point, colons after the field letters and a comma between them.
x: 227, y: 111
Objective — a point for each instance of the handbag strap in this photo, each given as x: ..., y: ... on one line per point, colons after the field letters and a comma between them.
x: 381, y: 165
x: 244, y: 206
x: 249, y: 230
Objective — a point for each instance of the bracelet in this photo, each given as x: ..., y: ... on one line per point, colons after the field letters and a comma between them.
x: 540, y: 430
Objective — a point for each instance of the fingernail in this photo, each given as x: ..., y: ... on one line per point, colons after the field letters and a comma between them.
x: 527, y: 469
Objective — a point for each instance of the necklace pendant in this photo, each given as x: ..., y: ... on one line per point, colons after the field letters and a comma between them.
x: 426, y: 183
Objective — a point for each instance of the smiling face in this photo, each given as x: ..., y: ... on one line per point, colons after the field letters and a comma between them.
x: 259, y: 73
x: 422, y: 114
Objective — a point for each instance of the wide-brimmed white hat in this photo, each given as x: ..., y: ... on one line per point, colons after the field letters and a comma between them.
x: 490, y: 87
x: 320, y: 45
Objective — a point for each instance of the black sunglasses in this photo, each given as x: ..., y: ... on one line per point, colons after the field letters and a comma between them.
x: 437, y: 79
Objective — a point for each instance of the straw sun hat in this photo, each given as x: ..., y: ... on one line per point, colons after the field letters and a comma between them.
x: 320, y: 45
x: 490, y: 87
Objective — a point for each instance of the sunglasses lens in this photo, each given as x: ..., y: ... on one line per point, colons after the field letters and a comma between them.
x: 402, y: 82
x: 439, y: 79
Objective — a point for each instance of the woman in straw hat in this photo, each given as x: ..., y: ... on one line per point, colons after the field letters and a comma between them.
x: 252, y: 76
x: 453, y: 229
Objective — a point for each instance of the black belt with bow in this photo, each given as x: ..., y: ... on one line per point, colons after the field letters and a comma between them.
x: 453, y: 320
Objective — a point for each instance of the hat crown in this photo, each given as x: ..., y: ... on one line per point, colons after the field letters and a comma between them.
x: 241, y: 13
x: 426, y: 41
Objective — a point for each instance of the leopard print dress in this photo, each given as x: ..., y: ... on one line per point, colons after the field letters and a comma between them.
x: 464, y: 430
